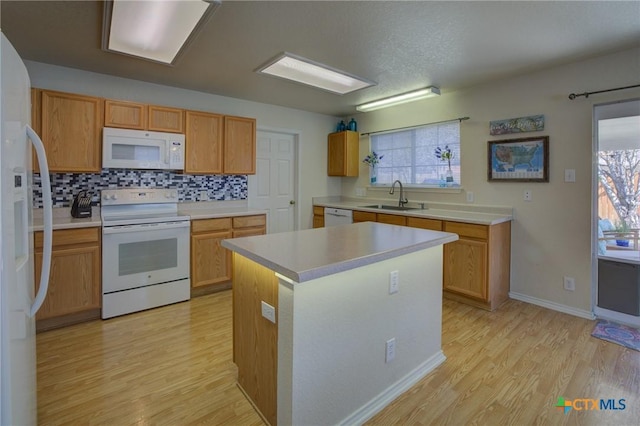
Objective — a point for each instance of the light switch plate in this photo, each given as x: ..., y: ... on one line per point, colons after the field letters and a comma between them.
x: 569, y: 175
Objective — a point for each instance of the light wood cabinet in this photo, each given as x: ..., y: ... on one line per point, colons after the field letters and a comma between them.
x: 239, y: 145
x: 318, y: 217
x: 247, y: 226
x: 75, y: 292
x: 165, y: 119
x: 360, y: 216
x: 210, y: 262
x: 203, y: 142
x: 392, y: 219
x: 123, y: 114
x: 71, y: 130
x: 424, y: 223
x: 342, y: 157
x: 477, y: 266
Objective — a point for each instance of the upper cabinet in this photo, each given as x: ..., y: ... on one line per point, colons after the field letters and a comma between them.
x: 165, y: 119
x: 203, y: 142
x: 132, y: 115
x: 128, y: 115
x: 71, y: 128
x: 343, y: 154
x: 239, y: 146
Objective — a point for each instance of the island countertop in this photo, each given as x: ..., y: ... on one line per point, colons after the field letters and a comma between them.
x: 314, y: 253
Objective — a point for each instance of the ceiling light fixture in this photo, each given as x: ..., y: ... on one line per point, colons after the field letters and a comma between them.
x: 158, y: 31
x: 306, y: 71
x: 427, y: 92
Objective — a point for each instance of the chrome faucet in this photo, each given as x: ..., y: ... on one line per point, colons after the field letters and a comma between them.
x: 402, y: 201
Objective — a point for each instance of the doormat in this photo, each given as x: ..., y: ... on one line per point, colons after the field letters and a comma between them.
x: 623, y: 335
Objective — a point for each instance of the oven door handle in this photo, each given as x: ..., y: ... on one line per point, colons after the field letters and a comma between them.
x: 121, y: 229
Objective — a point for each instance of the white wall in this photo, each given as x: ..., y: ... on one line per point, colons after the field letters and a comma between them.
x: 551, y: 235
x: 312, y: 128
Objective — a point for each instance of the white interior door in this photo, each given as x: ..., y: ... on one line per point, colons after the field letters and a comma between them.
x: 273, y: 187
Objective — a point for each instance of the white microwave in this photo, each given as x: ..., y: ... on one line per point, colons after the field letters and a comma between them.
x: 140, y: 149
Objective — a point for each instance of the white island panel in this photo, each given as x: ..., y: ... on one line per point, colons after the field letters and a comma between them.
x: 332, y: 334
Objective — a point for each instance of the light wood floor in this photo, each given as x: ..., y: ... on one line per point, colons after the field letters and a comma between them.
x: 172, y: 366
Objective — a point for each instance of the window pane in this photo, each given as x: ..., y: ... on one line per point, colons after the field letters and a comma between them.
x: 410, y: 155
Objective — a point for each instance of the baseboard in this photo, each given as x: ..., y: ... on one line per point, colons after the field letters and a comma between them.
x: 553, y: 305
x: 374, y: 406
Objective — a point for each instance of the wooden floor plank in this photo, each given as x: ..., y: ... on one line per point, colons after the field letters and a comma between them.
x: 173, y: 366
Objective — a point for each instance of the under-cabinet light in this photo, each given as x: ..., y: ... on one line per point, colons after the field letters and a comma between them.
x: 153, y: 29
x: 306, y: 71
x: 427, y: 92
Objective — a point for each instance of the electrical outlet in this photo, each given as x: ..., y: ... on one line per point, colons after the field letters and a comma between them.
x: 394, y: 282
x: 569, y: 175
x: 569, y: 283
x: 528, y: 196
x: 469, y: 197
x: 390, y: 352
x: 269, y: 312
x: 204, y: 196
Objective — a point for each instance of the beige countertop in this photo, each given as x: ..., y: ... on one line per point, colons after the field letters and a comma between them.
x: 62, y: 218
x: 314, y: 253
x: 468, y: 213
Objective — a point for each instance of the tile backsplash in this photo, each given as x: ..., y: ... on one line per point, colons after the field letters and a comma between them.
x: 64, y: 186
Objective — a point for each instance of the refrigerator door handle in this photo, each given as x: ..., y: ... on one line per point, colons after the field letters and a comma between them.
x: 47, y: 221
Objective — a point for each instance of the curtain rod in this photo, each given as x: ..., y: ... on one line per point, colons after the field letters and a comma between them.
x: 413, y: 127
x: 586, y: 94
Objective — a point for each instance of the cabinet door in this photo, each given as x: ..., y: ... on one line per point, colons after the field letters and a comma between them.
x: 164, y: 119
x: 71, y: 131
x: 203, y: 143
x: 210, y: 262
x: 318, y: 221
x: 127, y: 115
x: 239, y: 145
x: 74, y: 282
x: 342, y: 157
x: 465, y: 268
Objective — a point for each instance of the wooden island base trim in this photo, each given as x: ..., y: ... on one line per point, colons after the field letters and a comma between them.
x: 255, y: 338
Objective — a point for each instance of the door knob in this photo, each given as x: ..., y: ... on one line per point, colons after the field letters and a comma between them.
x: 292, y: 202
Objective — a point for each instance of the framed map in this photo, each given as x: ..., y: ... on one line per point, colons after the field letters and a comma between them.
x: 519, y: 160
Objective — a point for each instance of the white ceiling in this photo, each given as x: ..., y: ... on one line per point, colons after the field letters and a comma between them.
x: 401, y: 45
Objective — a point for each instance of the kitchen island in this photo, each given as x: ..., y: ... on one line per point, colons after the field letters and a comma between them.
x: 332, y: 324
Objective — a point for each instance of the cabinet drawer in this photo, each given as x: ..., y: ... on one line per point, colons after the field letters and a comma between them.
x: 424, y: 223
x: 64, y: 237
x: 392, y: 219
x: 248, y: 221
x: 467, y: 229
x: 248, y: 232
x: 205, y: 225
x: 318, y: 210
x: 359, y: 216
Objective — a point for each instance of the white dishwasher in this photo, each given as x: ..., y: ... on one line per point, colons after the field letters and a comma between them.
x: 334, y: 217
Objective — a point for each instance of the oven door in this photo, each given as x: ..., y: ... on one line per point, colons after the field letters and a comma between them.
x: 140, y: 255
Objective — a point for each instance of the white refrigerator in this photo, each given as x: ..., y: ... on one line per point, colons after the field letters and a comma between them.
x: 18, y: 304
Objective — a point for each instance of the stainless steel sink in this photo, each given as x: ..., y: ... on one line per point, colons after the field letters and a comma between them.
x: 388, y: 207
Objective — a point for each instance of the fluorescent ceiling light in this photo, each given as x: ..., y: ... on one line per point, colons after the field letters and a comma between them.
x: 305, y: 71
x: 427, y: 92
x: 157, y: 30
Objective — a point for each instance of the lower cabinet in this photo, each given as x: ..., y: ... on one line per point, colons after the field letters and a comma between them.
x: 477, y: 266
x: 210, y: 262
x: 318, y: 217
x: 75, y: 293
